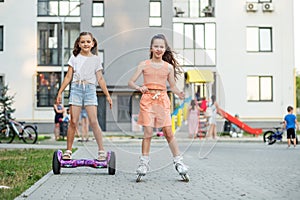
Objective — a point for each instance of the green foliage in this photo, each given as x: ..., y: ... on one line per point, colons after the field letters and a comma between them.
x: 298, y: 91
x: 6, y: 102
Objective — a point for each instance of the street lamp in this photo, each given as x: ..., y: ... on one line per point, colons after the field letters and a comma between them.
x: 62, y: 21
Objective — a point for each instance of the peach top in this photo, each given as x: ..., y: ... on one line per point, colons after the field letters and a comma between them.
x: 155, y: 78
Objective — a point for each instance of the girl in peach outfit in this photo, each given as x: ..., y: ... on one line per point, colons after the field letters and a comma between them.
x: 155, y: 103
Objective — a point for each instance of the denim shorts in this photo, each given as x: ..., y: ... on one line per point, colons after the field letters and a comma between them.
x: 83, y: 95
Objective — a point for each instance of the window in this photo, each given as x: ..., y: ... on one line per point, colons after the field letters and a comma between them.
x: 49, y: 42
x: 260, y: 88
x: 193, y: 8
x: 101, y: 55
x: 259, y: 39
x: 48, y: 84
x: 98, y: 13
x: 1, y: 0
x: 155, y: 13
x: 59, y: 7
x: 1, y: 84
x: 123, y: 108
x: 195, y: 43
x: 1, y: 38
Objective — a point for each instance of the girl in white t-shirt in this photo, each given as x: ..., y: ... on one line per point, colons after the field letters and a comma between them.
x: 85, y: 72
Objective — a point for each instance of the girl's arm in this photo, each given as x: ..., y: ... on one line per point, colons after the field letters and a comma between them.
x: 67, y: 80
x: 102, y: 84
x: 217, y: 105
x: 55, y: 108
x: 172, y: 83
x: 59, y: 111
x: 136, y: 75
x: 197, y: 106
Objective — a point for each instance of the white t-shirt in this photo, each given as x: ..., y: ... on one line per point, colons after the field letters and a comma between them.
x: 85, y: 68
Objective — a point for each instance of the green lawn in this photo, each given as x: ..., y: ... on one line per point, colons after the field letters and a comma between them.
x: 20, y: 169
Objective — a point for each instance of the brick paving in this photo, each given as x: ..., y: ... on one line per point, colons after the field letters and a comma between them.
x: 225, y: 169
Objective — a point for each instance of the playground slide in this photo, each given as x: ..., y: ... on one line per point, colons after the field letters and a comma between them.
x: 241, y: 125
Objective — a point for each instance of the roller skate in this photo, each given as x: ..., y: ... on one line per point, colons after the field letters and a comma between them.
x: 181, y: 168
x: 143, y: 167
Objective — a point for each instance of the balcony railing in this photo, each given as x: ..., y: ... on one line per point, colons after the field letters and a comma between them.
x: 194, y: 8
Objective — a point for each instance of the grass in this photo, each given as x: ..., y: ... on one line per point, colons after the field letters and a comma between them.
x: 20, y: 169
x: 43, y: 137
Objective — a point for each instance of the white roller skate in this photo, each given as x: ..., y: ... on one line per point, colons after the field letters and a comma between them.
x: 181, y: 168
x: 143, y: 167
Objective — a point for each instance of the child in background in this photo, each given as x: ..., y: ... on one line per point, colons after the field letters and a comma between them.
x: 84, y: 125
x: 67, y: 116
x: 59, y: 114
x: 291, y: 123
x: 203, y: 104
x: 193, y: 119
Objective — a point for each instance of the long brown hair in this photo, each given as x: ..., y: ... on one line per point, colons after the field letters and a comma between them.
x: 193, y: 104
x: 77, y: 49
x: 168, y: 55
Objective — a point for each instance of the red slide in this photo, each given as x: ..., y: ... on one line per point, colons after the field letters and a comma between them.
x: 241, y: 125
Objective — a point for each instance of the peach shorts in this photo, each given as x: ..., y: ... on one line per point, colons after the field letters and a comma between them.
x: 155, y: 110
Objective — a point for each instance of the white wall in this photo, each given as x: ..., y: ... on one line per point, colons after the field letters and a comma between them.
x: 18, y: 60
x: 234, y: 64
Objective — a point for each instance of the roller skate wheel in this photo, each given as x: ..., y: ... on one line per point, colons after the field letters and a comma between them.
x: 185, y: 177
x: 139, y: 178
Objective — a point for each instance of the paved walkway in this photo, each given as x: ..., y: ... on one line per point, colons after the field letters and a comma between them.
x: 218, y: 170
x: 213, y: 174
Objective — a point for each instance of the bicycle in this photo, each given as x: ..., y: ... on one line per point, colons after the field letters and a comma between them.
x: 271, y: 136
x: 12, y: 128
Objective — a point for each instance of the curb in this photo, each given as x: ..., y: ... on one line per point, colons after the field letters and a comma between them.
x: 37, y: 184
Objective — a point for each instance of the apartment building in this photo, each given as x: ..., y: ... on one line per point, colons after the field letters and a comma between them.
x: 242, y: 49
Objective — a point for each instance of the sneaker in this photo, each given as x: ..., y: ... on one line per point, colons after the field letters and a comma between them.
x: 180, y: 167
x: 143, y: 167
x: 101, y: 155
x: 67, y: 155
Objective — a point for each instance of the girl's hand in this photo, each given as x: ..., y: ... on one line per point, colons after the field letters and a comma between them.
x: 108, y: 99
x: 143, y: 89
x: 181, y: 95
x: 58, y: 97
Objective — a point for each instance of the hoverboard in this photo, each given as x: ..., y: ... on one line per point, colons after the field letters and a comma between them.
x: 58, y: 163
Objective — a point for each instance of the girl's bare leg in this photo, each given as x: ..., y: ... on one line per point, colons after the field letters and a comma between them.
x: 168, y: 133
x: 209, y: 132
x: 92, y: 117
x: 56, y: 131
x: 148, y: 131
x: 74, y: 112
x: 85, y: 128
x: 214, y: 131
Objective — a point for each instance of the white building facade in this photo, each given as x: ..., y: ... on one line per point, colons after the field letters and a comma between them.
x: 248, y: 45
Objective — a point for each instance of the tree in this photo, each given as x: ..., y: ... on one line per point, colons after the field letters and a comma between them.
x: 6, y: 102
x: 297, y: 91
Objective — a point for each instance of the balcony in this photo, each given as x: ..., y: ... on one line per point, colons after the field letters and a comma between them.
x: 194, y: 8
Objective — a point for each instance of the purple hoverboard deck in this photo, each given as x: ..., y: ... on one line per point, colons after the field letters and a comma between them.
x: 58, y: 162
